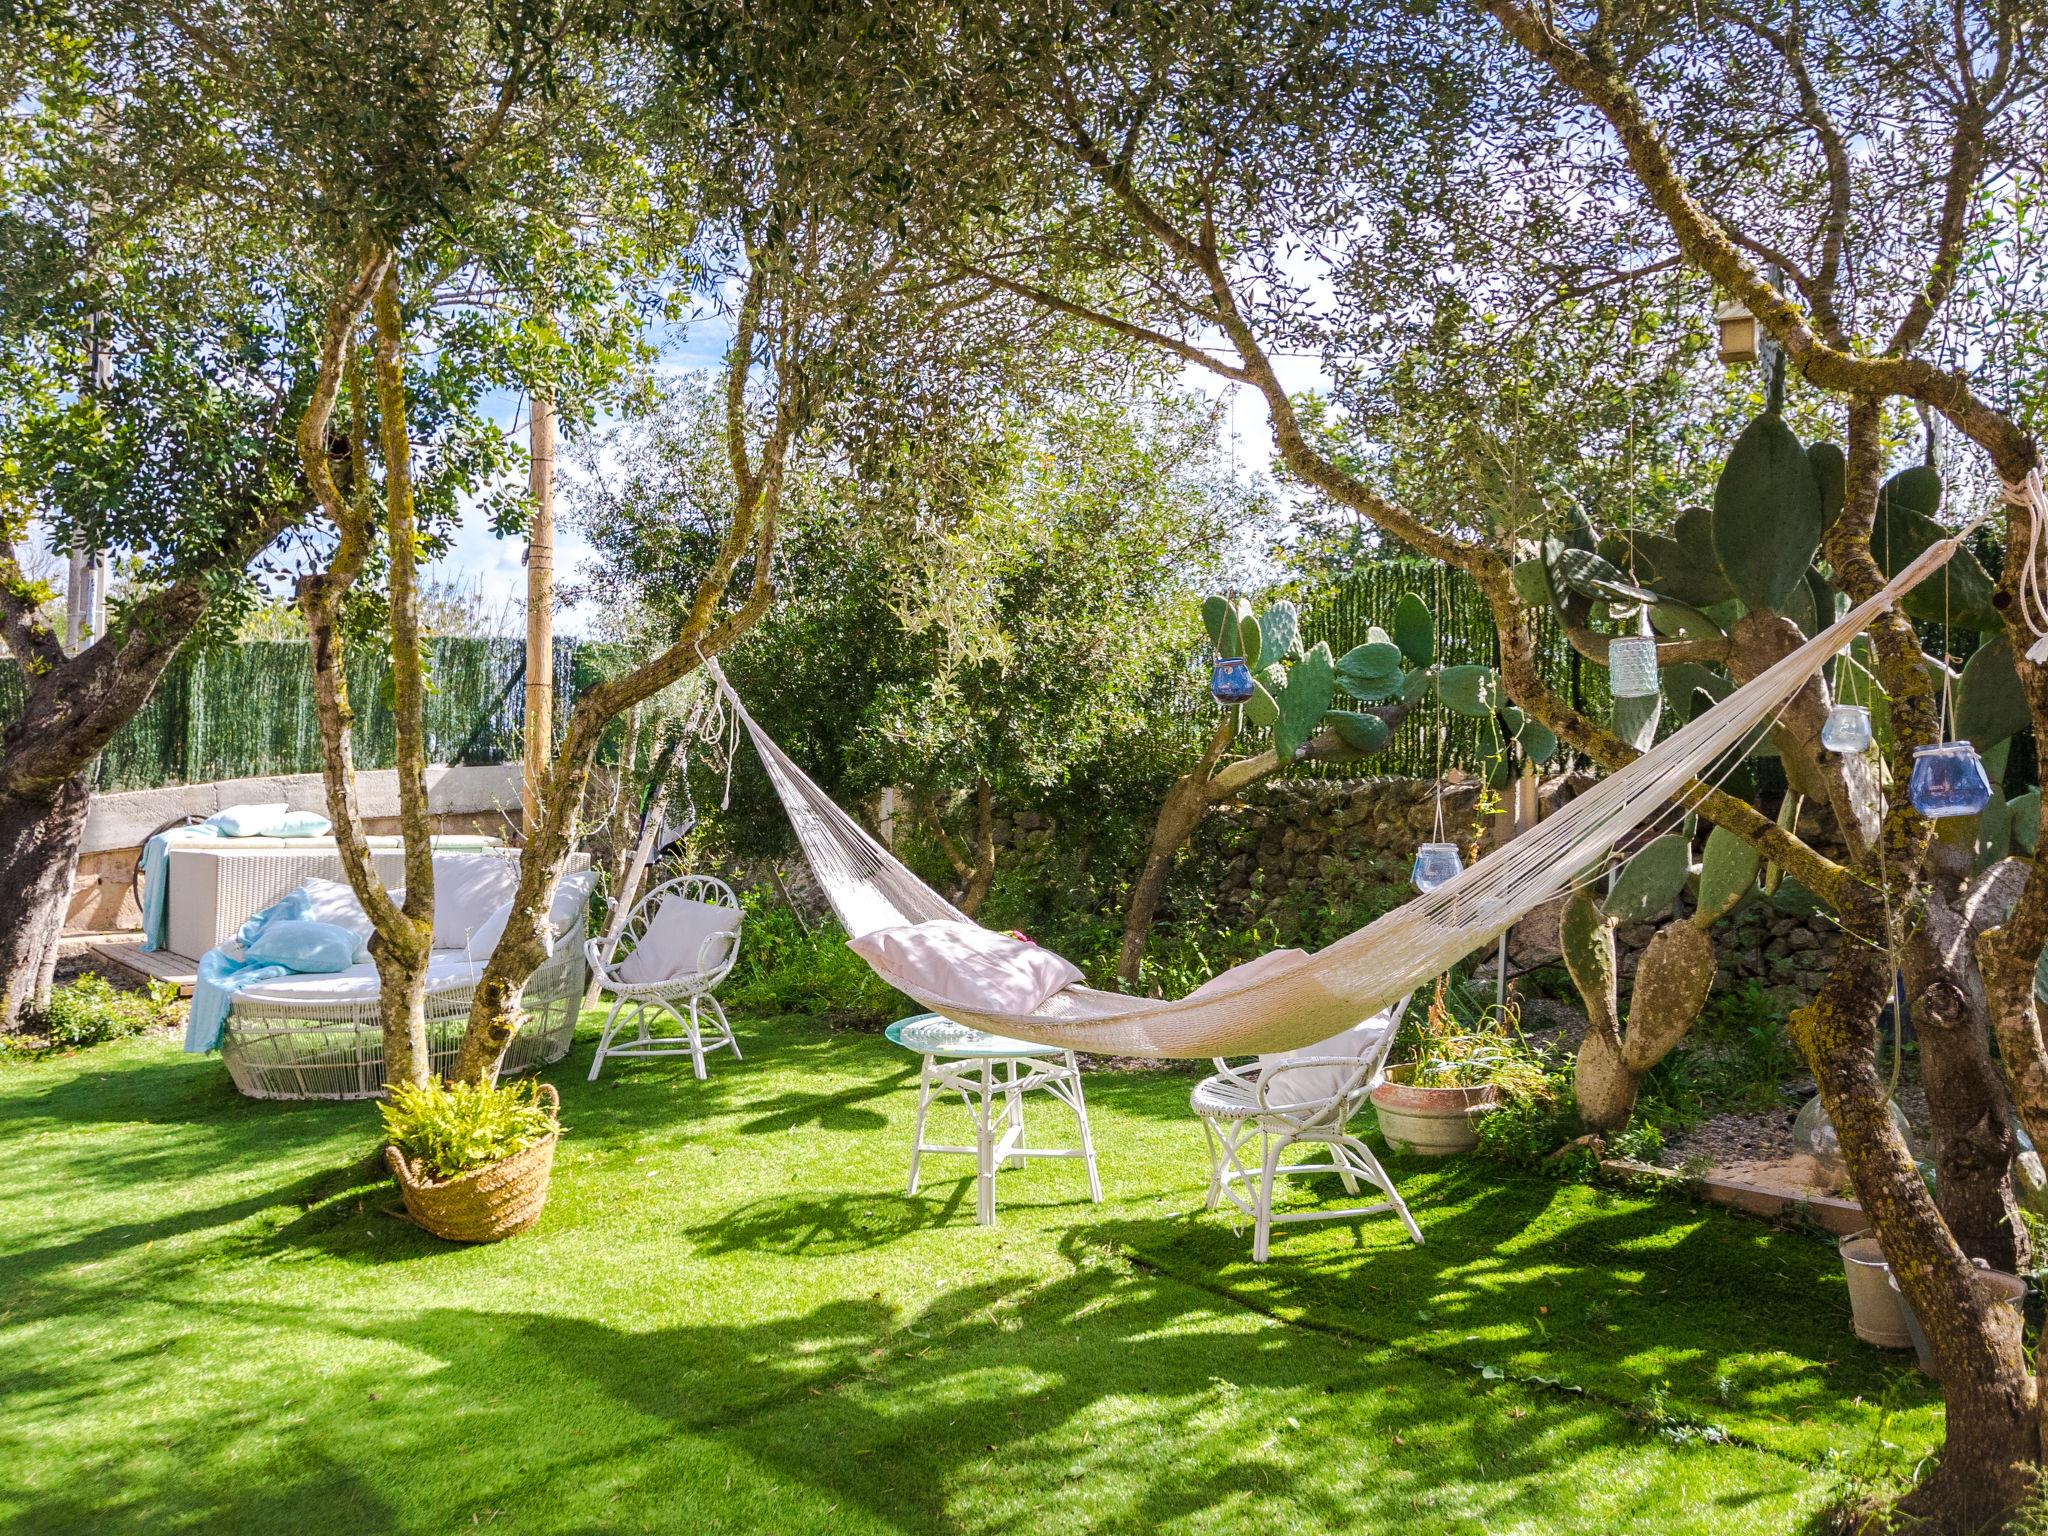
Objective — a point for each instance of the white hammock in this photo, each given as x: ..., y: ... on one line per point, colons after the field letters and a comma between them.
x: 1321, y: 994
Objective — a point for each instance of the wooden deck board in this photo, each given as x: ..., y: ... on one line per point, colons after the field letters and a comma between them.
x: 152, y: 964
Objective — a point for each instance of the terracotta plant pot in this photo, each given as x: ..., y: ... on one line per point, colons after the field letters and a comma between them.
x: 1432, y: 1121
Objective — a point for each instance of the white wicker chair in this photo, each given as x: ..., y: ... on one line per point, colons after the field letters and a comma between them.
x: 1273, y: 1100
x: 643, y: 1003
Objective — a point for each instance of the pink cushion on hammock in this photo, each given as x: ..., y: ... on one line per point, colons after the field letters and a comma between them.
x: 965, y: 966
x: 1250, y: 970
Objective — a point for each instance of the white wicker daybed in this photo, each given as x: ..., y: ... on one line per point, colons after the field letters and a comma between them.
x: 318, y: 1036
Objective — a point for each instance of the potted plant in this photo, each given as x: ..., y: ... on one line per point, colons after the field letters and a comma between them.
x: 472, y: 1160
x: 1461, y: 1066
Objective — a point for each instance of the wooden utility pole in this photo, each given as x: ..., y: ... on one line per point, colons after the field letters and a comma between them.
x: 540, y: 606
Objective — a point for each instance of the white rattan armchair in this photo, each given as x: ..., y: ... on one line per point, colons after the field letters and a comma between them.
x: 649, y: 978
x: 1309, y: 1095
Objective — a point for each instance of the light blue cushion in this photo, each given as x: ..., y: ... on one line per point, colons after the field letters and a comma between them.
x: 302, y: 824
x: 248, y: 820
x: 305, y: 947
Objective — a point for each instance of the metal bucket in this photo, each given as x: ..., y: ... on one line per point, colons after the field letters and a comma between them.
x: 1877, y: 1311
x: 1998, y: 1287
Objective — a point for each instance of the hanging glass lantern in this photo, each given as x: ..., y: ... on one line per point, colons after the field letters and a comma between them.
x: 1230, y: 680
x: 1632, y: 666
x: 1847, y: 730
x: 1436, y: 863
x: 1949, y: 780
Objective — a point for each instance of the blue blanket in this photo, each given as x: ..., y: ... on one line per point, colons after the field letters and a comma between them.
x: 225, y: 970
x: 156, y: 857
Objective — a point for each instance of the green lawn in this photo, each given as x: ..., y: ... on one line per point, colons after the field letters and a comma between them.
x: 731, y: 1319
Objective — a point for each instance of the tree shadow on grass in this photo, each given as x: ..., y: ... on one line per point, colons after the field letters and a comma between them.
x: 1684, y: 1316
x: 1097, y: 1397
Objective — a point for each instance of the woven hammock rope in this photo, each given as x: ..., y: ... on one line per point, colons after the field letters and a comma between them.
x: 1323, y: 993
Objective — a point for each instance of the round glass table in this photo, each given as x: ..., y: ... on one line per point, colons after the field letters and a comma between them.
x: 991, y: 1073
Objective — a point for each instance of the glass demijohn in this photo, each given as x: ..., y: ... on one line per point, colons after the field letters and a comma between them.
x: 1435, y: 863
x: 1230, y: 680
x: 1632, y: 666
x: 1847, y: 730
x: 1949, y: 780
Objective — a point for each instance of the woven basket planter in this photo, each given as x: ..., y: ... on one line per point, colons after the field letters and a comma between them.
x: 488, y: 1203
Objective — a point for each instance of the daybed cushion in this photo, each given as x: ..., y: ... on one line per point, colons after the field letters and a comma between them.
x: 447, y: 970
x: 334, y: 901
x: 674, y: 939
x: 248, y: 820
x: 468, y: 889
x: 964, y: 965
x: 310, y: 948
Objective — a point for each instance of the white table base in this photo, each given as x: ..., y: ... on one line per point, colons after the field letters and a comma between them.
x: 993, y: 1089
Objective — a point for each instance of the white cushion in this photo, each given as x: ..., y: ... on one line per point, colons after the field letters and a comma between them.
x: 572, y: 894
x: 1251, y: 970
x: 674, y: 939
x: 1309, y: 1085
x: 447, y: 970
x: 964, y: 965
x: 468, y: 889
x: 334, y: 901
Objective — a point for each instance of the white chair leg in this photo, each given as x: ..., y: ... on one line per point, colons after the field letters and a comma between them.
x: 1215, y: 1165
x: 696, y: 1043
x: 604, y: 1039
x: 724, y: 1025
x: 1370, y: 1167
x: 1087, y: 1135
x: 924, y: 1102
x: 984, y: 1150
x: 1262, y: 1229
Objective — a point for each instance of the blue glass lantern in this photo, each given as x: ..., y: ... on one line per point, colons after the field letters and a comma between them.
x: 1847, y: 730
x: 1949, y: 780
x: 1436, y: 863
x: 1230, y: 680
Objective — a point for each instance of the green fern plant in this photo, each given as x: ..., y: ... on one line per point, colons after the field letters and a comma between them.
x: 447, y: 1129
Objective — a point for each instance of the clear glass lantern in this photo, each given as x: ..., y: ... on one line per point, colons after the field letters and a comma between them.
x: 1632, y: 666
x: 1949, y: 780
x: 1230, y: 680
x: 1847, y: 730
x: 1436, y: 863
x: 1813, y: 1136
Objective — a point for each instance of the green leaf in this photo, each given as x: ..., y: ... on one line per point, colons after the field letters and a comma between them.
x: 1219, y: 621
x: 1683, y: 621
x: 1260, y: 708
x: 1370, y: 672
x: 1727, y: 874
x: 1990, y: 703
x: 1961, y: 593
x: 2024, y: 811
x: 1310, y: 686
x: 1635, y: 720
x: 1537, y: 741
x: 1767, y: 514
x: 1362, y: 733
x: 1651, y: 881
x: 1473, y: 691
x: 1279, y: 631
x: 1415, y: 630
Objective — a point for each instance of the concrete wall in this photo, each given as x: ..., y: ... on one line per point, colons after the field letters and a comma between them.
x: 463, y: 799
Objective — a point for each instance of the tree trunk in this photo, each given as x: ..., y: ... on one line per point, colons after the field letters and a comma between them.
x: 984, y: 872
x: 1974, y: 1145
x: 39, y: 841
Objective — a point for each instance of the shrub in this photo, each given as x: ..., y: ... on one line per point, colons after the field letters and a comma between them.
x: 448, y: 1129
x: 92, y: 1009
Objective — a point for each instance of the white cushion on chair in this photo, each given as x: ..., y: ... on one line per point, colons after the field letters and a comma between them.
x: 966, y: 966
x: 1310, y: 1085
x: 674, y: 938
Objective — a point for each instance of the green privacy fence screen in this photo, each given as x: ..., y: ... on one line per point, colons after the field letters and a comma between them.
x: 247, y: 710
